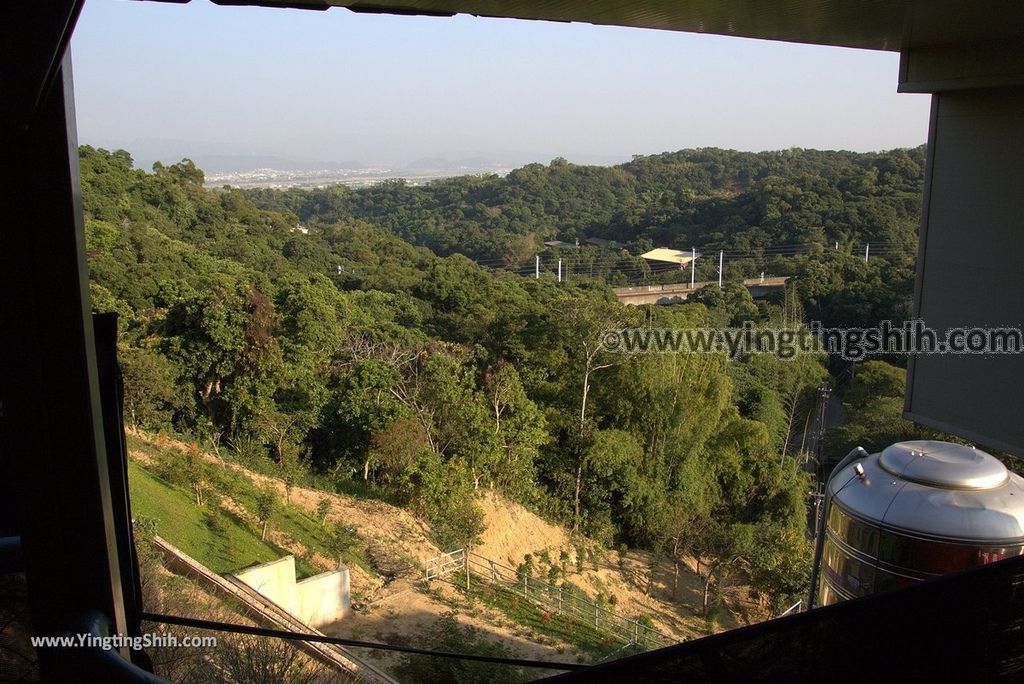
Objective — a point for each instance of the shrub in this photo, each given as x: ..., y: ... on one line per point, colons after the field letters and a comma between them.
x: 448, y: 635
x: 213, y: 520
x: 443, y: 494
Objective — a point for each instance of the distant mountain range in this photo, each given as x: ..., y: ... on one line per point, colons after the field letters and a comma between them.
x: 233, y: 163
x: 222, y: 160
x: 240, y: 163
x: 463, y: 165
x: 236, y: 163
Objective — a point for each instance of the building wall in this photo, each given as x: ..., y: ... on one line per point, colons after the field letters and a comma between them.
x: 969, y: 268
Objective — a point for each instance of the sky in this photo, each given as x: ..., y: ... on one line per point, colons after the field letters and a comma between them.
x: 167, y: 81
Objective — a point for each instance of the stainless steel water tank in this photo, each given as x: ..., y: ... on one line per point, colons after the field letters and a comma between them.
x: 914, y: 511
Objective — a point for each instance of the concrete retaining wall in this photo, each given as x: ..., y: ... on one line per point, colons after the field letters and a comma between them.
x: 324, y: 598
x: 317, y: 600
x: 275, y: 580
x: 264, y: 611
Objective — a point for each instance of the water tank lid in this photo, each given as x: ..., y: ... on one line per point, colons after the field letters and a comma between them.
x: 944, y: 464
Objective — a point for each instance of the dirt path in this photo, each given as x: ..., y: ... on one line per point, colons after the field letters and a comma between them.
x: 409, y: 610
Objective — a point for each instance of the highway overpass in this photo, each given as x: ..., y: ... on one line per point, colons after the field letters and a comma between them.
x: 679, y: 292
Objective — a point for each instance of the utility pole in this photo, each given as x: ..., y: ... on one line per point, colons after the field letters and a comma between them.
x: 867, y: 249
x: 693, y: 266
x: 721, y: 261
x: 559, y: 270
x: 819, y: 439
x: 536, y: 267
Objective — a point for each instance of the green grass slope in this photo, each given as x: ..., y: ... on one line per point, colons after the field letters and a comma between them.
x: 227, y: 546
x: 218, y: 535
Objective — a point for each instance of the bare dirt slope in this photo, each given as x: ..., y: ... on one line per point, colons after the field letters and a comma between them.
x: 512, y: 532
x: 640, y: 588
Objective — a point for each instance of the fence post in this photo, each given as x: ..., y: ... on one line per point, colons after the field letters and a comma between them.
x: 559, y: 599
x: 526, y: 586
x: 596, y: 614
x: 465, y: 558
x: 636, y: 633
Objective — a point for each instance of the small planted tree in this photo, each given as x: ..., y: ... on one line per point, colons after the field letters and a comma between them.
x: 195, y: 472
x: 290, y: 467
x: 343, y: 540
x: 527, y: 566
x: 322, y: 509
x: 267, y: 503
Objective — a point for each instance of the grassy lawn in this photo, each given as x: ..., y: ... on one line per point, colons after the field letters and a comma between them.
x: 178, y: 520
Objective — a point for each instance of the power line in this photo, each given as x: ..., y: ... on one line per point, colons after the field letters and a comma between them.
x: 353, y: 643
x: 634, y: 268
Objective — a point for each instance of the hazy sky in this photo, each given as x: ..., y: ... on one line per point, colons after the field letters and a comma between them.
x: 199, y: 79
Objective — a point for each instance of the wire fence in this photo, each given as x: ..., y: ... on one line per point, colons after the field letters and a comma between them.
x: 475, y: 568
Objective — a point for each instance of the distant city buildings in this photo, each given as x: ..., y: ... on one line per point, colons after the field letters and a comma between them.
x: 318, y: 178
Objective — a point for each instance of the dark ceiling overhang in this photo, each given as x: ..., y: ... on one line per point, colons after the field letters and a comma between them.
x: 893, y: 25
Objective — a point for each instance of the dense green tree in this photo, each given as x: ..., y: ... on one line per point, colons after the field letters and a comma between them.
x: 222, y: 340
x: 151, y: 391
x: 362, y: 404
x: 519, y: 431
x: 394, y: 449
x: 874, y: 403
x: 350, y: 330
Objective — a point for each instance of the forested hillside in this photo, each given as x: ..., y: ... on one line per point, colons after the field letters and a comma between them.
x: 342, y: 334
x: 707, y: 198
